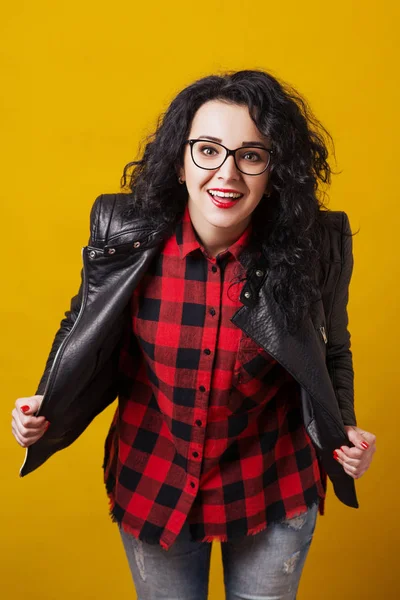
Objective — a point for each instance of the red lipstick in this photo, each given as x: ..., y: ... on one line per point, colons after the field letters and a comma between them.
x: 223, y: 202
x: 226, y: 190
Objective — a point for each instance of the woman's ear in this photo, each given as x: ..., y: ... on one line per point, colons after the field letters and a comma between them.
x: 181, y: 175
x: 267, y: 192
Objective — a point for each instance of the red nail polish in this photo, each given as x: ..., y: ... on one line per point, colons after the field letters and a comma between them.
x: 47, y: 425
x: 25, y: 408
x: 365, y: 445
x: 335, y: 455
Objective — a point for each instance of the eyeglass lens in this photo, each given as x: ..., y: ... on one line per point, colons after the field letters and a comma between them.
x: 210, y: 155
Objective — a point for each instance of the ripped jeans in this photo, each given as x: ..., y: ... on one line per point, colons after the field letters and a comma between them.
x: 265, y: 566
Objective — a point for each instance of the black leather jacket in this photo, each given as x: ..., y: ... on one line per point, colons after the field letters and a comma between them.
x: 81, y: 375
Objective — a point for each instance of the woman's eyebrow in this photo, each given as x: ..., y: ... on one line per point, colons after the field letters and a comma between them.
x: 215, y: 139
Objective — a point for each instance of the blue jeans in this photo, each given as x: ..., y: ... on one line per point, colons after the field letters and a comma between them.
x: 265, y: 566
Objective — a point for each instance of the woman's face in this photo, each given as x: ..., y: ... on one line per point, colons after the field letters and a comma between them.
x: 232, y: 126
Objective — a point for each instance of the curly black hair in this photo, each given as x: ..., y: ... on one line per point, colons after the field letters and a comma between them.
x: 285, y: 225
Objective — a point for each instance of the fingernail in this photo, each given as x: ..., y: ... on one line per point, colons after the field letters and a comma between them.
x: 25, y: 408
x: 365, y: 445
x: 335, y: 455
x: 47, y: 425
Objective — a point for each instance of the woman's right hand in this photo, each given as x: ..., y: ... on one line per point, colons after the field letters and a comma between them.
x: 28, y: 429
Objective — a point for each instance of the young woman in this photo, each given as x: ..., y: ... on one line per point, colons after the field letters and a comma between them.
x: 213, y: 303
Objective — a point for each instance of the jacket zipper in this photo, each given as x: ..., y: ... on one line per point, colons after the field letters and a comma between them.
x: 64, y: 342
x: 323, y: 333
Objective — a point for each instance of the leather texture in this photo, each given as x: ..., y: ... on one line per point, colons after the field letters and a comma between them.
x: 81, y: 374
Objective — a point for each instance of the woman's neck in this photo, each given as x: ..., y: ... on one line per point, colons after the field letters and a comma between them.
x: 215, y: 239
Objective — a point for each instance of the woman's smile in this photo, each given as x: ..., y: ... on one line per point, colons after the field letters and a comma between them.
x: 224, y: 198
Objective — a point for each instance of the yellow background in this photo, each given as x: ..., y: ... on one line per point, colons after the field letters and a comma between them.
x: 82, y: 84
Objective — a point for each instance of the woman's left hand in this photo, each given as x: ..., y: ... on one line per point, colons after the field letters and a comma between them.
x: 356, y: 460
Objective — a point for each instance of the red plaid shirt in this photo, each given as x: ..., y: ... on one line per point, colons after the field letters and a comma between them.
x: 208, y: 427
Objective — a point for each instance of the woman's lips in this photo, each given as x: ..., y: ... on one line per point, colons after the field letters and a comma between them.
x: 223, y: 202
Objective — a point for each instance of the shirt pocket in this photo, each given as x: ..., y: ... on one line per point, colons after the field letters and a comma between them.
x: 253, y: 372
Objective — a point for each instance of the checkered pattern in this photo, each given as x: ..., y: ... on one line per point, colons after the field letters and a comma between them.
x: 208, y: 426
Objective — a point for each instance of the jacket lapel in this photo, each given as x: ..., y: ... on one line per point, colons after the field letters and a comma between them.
x: 302, y: 354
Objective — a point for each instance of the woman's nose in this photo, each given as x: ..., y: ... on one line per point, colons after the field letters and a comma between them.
x: 229, y: 169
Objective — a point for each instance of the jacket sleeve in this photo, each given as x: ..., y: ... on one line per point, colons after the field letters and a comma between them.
x: 71, y: 315
x: 339, y: 356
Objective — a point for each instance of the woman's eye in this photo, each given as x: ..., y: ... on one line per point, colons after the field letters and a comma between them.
x: 208, y: 151
x: 251, y: 156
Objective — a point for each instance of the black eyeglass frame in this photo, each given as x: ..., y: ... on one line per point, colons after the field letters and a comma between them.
x: 228, y: 153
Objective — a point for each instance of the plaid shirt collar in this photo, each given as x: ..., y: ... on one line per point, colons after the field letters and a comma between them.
x: 189, y: 242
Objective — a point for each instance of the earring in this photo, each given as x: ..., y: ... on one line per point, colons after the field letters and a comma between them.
x: 180, y: 180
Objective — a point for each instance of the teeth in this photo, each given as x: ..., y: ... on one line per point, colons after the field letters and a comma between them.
x: 224, y: 195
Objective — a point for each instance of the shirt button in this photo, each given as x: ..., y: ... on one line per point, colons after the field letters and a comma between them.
x: 214, y: 269
x: 202, y: 388
x: 247, y: 295
x: 259, y: 273
x: 207, y: 351
x: 212, y: 312
x: 198, y: 423
x: 195, y: 454
x: 192, y: 484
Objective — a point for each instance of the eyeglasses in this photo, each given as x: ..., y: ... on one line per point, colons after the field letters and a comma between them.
x: 250, y: 160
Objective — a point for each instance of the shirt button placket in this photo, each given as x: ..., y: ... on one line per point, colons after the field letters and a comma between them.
x: 209, y: 341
